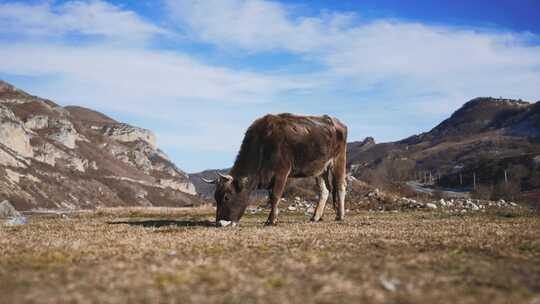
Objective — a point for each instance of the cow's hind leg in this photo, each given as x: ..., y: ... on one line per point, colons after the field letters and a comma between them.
x: 323, y: 196
x: 339, y: 186
x: 275, y: 196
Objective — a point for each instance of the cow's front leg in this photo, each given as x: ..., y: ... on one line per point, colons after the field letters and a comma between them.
x: 275, y: 197
x: 319, y: 210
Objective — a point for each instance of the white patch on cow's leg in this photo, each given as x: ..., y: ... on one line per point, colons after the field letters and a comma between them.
x: 319, y: 210
x: 341, y: 207
x: 340, y: 185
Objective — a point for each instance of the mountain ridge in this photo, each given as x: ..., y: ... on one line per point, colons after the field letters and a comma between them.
x: 483, y: 129
x: 74, y: 157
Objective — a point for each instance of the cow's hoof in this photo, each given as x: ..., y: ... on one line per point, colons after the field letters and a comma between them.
x: 340, y: 218
x: 270, y: 224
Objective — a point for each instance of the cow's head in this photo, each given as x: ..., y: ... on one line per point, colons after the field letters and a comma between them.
x: 231, y: 199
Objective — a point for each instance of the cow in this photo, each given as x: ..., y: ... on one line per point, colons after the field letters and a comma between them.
x: 276, y: 147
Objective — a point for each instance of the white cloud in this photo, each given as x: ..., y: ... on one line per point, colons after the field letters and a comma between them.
x: 257, y: 25
x: 413, y: 60
x: 135, y: 77
x: 91, y: 18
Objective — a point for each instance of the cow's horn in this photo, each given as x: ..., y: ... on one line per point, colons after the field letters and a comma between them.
x: 225, y: 176
x: 209, y: 181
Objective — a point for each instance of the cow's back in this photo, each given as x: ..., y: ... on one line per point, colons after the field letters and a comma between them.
x: 309, y: 142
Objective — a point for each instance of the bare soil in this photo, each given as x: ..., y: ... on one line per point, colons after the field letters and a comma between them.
x: 177, y: 256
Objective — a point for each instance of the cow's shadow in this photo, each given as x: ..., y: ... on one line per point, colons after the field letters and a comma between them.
x: 156, y: 223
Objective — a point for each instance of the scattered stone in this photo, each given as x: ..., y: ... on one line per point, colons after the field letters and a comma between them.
x: 374, y: 194
x: 455, y: 204
x: 16, y: 221
x: 254, y: 210
x: 7, y: 210
x: 291, y: 208
x: 389, y: 284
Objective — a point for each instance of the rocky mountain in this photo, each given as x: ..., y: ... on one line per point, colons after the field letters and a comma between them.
x: 483, y: 129
x: 356, y: 147
x: 73, y: 157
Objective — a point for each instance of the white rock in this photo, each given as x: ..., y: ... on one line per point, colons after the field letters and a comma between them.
x: 390, y: 285
x: 7, y: 210
x: 66, y: 133
x: 66, y: 137
x: 18, y: 220
x: 127, y: 133
x: 291, y: 208
x: 48, y: 153
x: 14, y: 136
x: 37, y: 122
x: 431, y: 206
x: 253, y: 210
x: 184, y: 186
x: 6, y: 113
x: 8, y: 159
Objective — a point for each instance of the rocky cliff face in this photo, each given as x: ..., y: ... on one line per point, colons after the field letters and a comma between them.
x: 483, y: 131
x: 72, y: 157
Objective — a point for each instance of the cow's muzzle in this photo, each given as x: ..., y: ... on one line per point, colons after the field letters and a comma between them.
x: 224, y: 223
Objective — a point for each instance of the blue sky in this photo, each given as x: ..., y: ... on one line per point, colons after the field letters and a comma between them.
x: 199, y: 72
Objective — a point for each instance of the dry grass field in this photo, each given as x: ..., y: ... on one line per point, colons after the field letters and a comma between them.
x: 176, y: 256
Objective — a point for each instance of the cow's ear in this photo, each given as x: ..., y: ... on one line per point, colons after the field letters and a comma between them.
x: 240, y: 183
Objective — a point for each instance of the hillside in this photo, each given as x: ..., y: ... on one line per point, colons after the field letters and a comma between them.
x: 484, y: 131
x: 73, y: 157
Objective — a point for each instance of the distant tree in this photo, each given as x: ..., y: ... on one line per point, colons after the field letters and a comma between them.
x: 534, y: 178
x: 400, y: 170
x: 509, y: 191
x: 518, y: 171
x: 483, y: 192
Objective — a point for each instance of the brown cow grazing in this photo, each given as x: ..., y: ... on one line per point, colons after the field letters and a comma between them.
x: 277, y: 147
